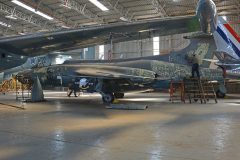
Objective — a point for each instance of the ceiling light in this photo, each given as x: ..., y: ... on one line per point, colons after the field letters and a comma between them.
x: 11, y: 17
x: 99, y: 5
x: 67, y: 27
x: 5, y: 24
x: 146, y: 30
x: 57, y: 52
x: 32, y: 9
x: 123, y: 19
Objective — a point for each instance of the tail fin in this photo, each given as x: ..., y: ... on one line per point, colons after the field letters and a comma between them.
x: 226, y: 39
x: 203, y: 47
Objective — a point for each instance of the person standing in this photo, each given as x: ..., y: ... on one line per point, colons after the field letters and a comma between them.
x: 195, y: 66
x: 73, y: 87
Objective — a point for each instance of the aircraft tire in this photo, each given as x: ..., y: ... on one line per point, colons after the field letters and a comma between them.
x: 195, y: 99
x: 118, y: 95
x: 108, y: 97
x: 219, y: 94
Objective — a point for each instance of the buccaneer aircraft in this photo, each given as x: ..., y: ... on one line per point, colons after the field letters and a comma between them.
x: 113, y: 79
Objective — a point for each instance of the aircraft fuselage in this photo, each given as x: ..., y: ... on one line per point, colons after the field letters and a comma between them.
x: 57, y: 76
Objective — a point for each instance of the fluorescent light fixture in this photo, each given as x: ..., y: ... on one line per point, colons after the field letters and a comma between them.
x: 57, y: 52
x: 5, y: 24
x: 99, y: 5
x: 65, y: 27
x: 11, y: 17
x: 32, y: 9
x: 21, y: 33
x: 145, y: 30
x: 123, y: 19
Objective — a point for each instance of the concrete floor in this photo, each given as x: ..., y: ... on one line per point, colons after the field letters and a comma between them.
x: 83, y: 129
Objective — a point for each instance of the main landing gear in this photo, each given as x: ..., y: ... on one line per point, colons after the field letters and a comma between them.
x: 220, y: 94
x: 109, y: 97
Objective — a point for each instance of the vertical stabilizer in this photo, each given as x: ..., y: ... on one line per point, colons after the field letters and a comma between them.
x: 226, y: 39
x: 203, y: 47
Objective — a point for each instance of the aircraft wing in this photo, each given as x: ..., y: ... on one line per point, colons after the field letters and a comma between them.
x: 63, y: 40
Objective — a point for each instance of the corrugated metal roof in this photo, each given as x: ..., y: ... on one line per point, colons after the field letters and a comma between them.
x: 84, y: 13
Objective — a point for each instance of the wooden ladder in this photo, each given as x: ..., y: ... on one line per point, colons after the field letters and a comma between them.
x: 198, y: 89
x: 176, y: 91
x: 208, y: 89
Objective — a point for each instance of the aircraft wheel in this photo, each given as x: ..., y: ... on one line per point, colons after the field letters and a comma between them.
x: 219, y: 94
x: 118, y: 95
x: 107, y: 97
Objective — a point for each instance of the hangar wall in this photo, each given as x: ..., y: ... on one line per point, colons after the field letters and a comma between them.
x: 235, y: 23
x: 144, y: 47
x: 138, y: 48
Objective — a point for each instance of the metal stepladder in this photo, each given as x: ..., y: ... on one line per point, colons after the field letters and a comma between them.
x: 176, y: 91
x: 208, y: 89
x: 199, y: 89
x: 23, y: 91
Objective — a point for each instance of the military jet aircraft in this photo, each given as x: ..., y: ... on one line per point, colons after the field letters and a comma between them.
x: 113, y: 79
x: 14, y: 51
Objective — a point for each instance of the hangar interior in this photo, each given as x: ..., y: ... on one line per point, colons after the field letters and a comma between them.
x: 144, y: 125
x: 68, y: 14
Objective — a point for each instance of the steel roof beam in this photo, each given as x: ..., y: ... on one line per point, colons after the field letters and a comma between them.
x: 159, y: 8
x: 72, y: 4
x: 237, y: 6
x: 14, y: 29
x: 121, y: 10
x: 8, y: 31
x: 27, y: 18
x: 59, y: 19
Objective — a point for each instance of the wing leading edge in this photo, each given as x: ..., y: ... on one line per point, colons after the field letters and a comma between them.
x: 42, y: 43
